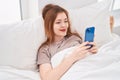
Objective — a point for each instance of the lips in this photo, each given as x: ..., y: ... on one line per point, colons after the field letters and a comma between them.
x: 63, y: 30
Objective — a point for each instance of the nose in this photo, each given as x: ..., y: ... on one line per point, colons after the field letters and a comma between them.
x: 63, y: 24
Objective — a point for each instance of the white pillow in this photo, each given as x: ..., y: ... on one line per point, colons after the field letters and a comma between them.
x: 19, y: 43
x: 97, y: 15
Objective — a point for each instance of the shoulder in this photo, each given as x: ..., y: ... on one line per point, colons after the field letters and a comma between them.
x: 43, y: 48
x: 74, y: 37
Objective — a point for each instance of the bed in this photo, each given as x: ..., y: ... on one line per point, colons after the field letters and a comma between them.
x: 20, y: 41
x: 101, y: 66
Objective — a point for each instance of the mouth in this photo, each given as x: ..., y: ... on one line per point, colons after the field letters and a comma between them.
x: 63, y: 30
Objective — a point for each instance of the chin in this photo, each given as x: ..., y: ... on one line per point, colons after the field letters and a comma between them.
x: 62, y: 35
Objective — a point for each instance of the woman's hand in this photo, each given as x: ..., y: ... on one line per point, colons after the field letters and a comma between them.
x: 94, y: 48
x: 80, y: 52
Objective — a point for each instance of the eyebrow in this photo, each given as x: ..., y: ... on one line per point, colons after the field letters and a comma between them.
x: 60, y: 19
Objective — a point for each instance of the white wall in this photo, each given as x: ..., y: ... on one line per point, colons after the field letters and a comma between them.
x: 116, y: 4
x: 30, y: 8
x: 68, y: 4
x: 9, y: 11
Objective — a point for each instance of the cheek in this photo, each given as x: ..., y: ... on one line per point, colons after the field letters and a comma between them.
x: 67, y: 25
x: 55, y: 29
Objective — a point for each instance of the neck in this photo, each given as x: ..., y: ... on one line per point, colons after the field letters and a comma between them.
x: 58, y: 38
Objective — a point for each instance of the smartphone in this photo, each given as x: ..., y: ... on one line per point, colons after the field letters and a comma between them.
x: 89, y: 35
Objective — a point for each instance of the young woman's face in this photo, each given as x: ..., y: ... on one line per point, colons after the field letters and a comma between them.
x: 60, y: 25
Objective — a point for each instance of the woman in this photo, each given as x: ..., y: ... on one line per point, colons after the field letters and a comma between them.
x: 59, y: 37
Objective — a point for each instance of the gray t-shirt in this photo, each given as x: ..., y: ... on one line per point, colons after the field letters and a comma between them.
x: 47, y: 51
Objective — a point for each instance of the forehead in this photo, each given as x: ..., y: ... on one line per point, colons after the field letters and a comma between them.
x: 61, y: 15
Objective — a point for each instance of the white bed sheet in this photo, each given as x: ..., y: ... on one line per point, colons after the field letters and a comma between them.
x: 10, y: 73
x: 105, y: 65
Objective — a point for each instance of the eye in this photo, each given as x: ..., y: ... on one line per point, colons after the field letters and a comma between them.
x: 58, y: 22
x: 66, y: 21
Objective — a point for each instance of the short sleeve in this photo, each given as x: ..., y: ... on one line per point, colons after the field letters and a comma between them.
x: 43, y: 56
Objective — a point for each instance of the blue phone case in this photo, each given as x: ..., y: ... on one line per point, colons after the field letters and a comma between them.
x: 89, y: 35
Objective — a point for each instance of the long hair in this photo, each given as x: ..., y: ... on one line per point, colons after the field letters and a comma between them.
x: 49, y: 15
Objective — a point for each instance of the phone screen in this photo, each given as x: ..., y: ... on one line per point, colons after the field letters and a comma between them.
x: 89, y: 35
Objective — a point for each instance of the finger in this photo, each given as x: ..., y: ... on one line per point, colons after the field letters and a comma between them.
x: 92, y: 43
x: 83, y: 48
x: 83, y: 44
x: 93, y: 47
x: 93, y: 51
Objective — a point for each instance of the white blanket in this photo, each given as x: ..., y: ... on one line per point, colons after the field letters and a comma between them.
x: 105, y: 65
x: 9, y: 73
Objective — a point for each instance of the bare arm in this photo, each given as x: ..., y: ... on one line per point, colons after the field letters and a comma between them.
x: 49, y: 73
